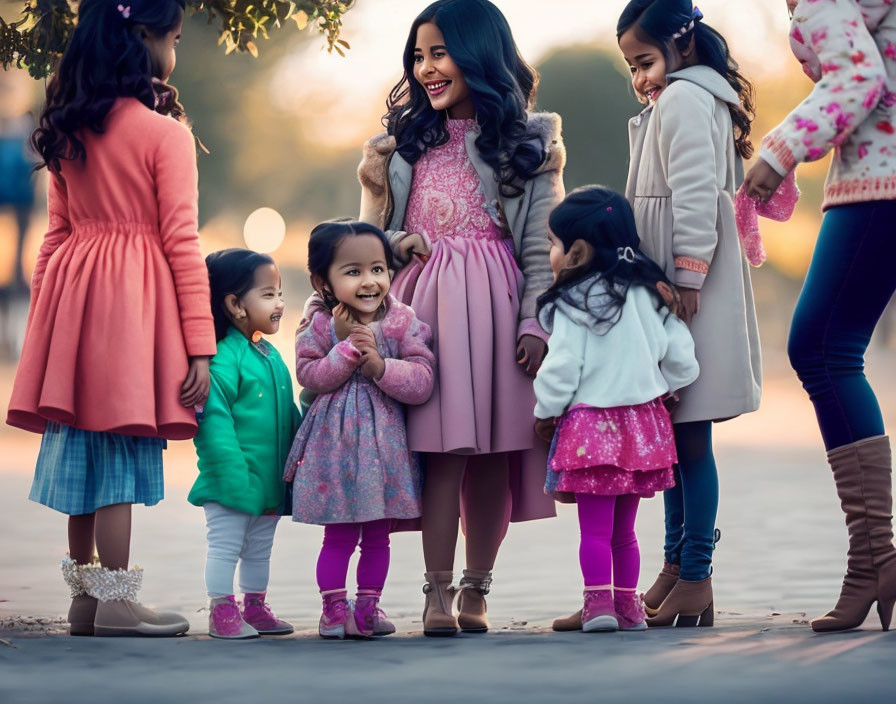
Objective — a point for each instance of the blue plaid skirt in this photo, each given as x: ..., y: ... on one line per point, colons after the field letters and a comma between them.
x: 79, y: 471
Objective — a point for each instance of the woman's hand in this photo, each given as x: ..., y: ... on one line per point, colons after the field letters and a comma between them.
x: 762, y: 181
x: 195, y: 387
x: 545, y: 428
x: 412, y: 244
x: 530, y: 351
x: 343, y: 320
x: 373, y: 366
x: 689, y: 304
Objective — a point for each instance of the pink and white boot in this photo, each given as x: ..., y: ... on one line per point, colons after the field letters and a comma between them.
x: 336, y: 618
x: 629, y: 610
x: 225, y: 620
x: 258, y: 614
x: 598, y: 613
x: 369, y: 617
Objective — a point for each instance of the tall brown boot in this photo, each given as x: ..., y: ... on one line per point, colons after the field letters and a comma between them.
x: 83, y: 608
x: 438, y: 613
x: 471, y: 606
x: 862, y: 473
x: 660, y: 589
x: 688, y: 604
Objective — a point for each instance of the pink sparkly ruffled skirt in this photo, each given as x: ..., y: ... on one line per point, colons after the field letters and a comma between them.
x: 612, y: 451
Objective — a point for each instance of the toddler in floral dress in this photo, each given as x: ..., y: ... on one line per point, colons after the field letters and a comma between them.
x: 365, y: 355
x: 615, y: 351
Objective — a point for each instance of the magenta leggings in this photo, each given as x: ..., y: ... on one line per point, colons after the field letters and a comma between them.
x: 340, y: 540
x: 608, y: 552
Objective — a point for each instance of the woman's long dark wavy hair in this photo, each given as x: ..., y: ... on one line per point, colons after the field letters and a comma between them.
x: 502, y: 86
x: 231, y: 271
x: 603, y: 219
x: 657, y: 20
x: 105, y: 60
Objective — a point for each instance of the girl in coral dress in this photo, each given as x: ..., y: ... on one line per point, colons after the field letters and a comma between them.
x: 120, y: 331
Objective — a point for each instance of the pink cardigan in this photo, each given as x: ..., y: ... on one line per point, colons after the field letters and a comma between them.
x: 120, y: 293
x: 852, y: 108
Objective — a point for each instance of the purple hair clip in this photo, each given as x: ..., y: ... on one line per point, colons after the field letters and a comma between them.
x: 125, y: 11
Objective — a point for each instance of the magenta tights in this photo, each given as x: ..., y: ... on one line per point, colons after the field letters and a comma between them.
x: 340, y: 540
x: 608, y: 551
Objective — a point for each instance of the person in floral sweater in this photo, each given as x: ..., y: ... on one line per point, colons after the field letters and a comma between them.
x: 848, y: 47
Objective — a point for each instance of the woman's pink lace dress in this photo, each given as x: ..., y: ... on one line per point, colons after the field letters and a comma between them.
x: 468, y: 293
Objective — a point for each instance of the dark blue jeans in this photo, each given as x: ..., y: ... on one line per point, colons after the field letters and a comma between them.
x: 691, y: 505
x: 851, y: 278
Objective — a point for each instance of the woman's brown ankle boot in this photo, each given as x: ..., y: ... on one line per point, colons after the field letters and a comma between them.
x: 660, y: 589
x: 471, y: 606
x: 862, y: 473
x: 438, y: 613
x: 688, y: 604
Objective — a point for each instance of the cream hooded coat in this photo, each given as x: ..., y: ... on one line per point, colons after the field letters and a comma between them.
x: 682, y: 178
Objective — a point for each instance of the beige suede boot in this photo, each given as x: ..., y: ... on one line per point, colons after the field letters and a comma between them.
x: 438, y: 613
x: 569, y: 623
x: 83, y: 609
x: 862, y: 473
x: 660, y: 589
x: 117, y: 611
x: 471, y: 606
x: 688, y: 604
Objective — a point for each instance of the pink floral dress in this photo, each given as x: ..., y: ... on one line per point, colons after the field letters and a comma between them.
x: 350, y: 461
x: 468, y: 293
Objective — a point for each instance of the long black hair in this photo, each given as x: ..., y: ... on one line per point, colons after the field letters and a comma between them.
x: 603, y: 219
x: 502, y: 86
x: 325, y: 238
x: 105, y: 60
x: 231, y: 271
x: 658, y: 20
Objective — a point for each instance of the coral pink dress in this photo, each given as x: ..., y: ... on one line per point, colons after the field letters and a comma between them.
x: 468, y: 293
x: 120, y: 293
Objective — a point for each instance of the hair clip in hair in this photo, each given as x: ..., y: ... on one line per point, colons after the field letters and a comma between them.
x: 626, y: 253
x: 125, y: 11
x: 696, y: 16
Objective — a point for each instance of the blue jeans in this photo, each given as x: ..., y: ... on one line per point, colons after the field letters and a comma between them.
x: 850, y: 281
x: 691, y: 505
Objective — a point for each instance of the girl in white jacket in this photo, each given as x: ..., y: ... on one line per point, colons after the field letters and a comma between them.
x: 615, y: 352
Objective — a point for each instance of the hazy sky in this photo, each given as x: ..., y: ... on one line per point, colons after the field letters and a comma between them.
x: 350, y: 90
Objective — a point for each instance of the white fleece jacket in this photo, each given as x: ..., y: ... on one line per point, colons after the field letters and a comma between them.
x: 645, y: 355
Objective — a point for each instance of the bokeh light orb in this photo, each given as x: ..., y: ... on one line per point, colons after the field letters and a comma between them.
x: 264, y: 230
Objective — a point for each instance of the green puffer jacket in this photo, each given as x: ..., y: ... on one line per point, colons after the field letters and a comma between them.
x: 246, y: 429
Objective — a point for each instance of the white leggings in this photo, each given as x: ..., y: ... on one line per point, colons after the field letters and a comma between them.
x: 232, y: 536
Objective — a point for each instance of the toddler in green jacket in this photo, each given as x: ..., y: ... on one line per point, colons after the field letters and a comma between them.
x: 245, y: 433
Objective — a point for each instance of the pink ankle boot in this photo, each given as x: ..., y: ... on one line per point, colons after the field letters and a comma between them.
x: 369, y: 617
x: 629, y: 610
x: 258, y: 614
x: 225, y: 620
x: 335, y: 615
x: 598, y: 613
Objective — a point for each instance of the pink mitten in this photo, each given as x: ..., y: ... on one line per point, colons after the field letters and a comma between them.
x: 747, y: 211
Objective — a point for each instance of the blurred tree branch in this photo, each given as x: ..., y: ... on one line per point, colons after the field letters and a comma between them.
x: 37, y: 39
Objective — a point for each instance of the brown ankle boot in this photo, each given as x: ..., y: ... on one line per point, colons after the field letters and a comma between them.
x: 688, y: 604
x: 568, y: 623
x: 471, y: 606
x: 118, y: 613
x: 438, y: 613
x: 862, y: 473
x: 83, y: 609
x: 660, y: 589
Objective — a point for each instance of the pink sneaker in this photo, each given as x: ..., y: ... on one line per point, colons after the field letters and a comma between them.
x: 598, y: 613
x: 335, y: 614
x: 369, y: 617
x: 258, y: 614
x: 225, y: 621
x: 629, y: 610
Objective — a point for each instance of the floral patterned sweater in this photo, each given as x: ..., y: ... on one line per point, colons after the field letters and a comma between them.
x: 849, y: 48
